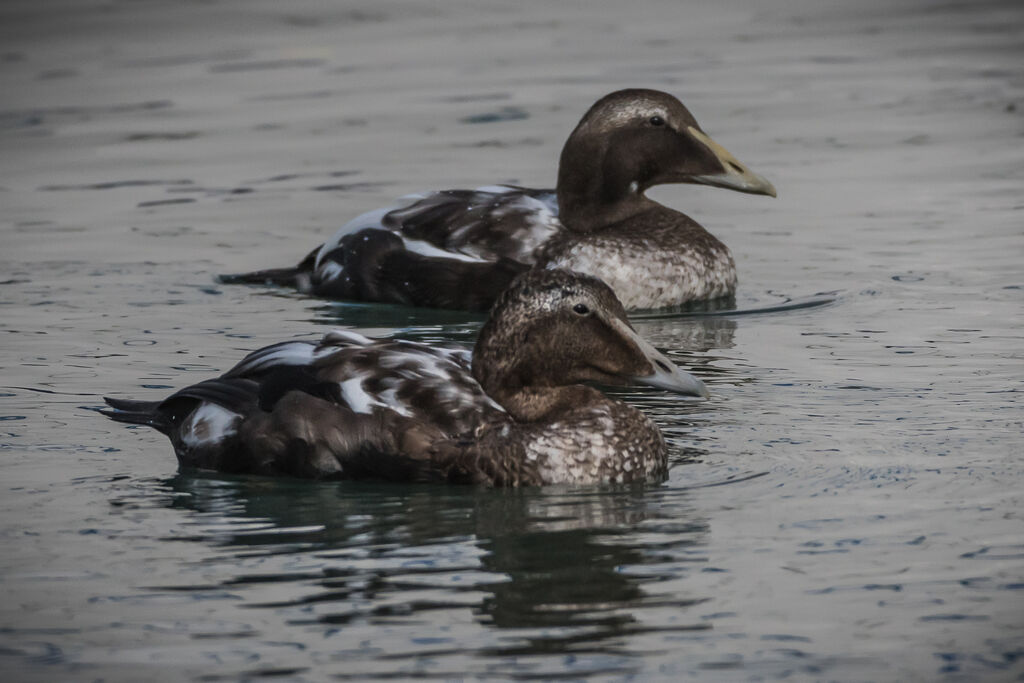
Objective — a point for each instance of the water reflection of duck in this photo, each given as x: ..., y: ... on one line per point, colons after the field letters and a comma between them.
x: 460, y: 248
x: 547, y: 572
x: 350, y: 407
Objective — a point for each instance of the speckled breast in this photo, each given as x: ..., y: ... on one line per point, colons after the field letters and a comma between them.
x: 602, y: 444
x: 644, y: 276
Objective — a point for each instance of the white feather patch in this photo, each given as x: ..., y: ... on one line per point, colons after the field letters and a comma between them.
x: 432, y: 368
x: 331, y: 270
x: 424, y: 248
x: 293, y: 353
x: 345, y: 337
x: 495, y: 189
x: 209, y: 423
x: 389, y: 398
x: 355, y: 396
x: 370, y: 219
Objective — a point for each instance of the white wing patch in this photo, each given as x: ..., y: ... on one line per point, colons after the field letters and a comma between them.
x: 424, y: 248
x: 208, y: 424
x: 370, y: 219
x: 495, y: 189
x: 297, y: 353
x: 537, y: 219
x: 412, y: 379
x: 458, y: 355
x: 288, y: 353
x: 389, y: 399
x: 430, y: 367
x: 355, y: 396
x: 348, y: 337
x: 526, y: 222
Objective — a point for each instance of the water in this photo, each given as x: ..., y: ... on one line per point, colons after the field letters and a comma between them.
x: 846, y: 507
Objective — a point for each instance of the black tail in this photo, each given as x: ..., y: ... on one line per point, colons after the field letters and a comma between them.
x: 283, y: 277
x: 136, y: 412
x: 295, y: 276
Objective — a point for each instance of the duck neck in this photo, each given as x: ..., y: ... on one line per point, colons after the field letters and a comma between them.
x: 544, y: 404
x: 521, y: 384
x: 594, y: 193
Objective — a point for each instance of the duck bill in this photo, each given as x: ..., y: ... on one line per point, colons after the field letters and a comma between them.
x: 665, y: 375
x: 734, y: 176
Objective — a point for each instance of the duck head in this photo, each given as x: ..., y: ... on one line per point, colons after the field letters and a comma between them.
x: 556, y: 328
x: 632, y: 140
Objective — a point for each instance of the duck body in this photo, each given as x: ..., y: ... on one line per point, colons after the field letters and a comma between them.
x: 671, y: 261
x: 511, y: 414
x: 461, y: 248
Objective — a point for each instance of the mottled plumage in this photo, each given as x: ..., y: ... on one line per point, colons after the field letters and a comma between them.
x: 460, y: 248
x: 515, y: 413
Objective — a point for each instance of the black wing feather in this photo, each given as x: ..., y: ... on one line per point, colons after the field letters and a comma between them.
x: 378, y: 267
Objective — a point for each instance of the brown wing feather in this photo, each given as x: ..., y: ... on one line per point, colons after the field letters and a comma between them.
x: 489, y: 223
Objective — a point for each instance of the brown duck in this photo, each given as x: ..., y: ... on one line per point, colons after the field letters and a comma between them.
x: 460, y: 248
x: 515, y: 413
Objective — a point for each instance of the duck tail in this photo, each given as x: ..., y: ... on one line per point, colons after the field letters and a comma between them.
x: 283, y: 277
x: 137, y: 413
x: 294, y: 276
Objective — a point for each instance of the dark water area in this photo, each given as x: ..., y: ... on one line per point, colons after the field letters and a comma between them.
x: 848, y: 505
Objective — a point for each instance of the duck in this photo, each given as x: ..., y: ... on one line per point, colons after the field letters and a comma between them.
x: 520, y: 410
x: 459, y: 249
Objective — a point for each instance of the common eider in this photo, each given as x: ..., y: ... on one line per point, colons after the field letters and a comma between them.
x: 460, y: 248
x: 514, y: 413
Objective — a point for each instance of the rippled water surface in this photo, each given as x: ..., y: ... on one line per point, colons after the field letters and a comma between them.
x: 848, y: 506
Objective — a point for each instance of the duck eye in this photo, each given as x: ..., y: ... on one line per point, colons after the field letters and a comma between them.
x: 657, y: 121
x: 581, y: 309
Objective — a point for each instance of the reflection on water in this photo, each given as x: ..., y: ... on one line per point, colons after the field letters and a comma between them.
x: 396, y: 319
x: 563, y: 572
x: 399, y: 318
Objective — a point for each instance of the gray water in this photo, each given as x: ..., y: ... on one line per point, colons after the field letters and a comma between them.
x: 848, y: 506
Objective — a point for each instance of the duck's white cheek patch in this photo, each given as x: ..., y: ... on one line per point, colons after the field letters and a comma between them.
x: 209, y: 424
